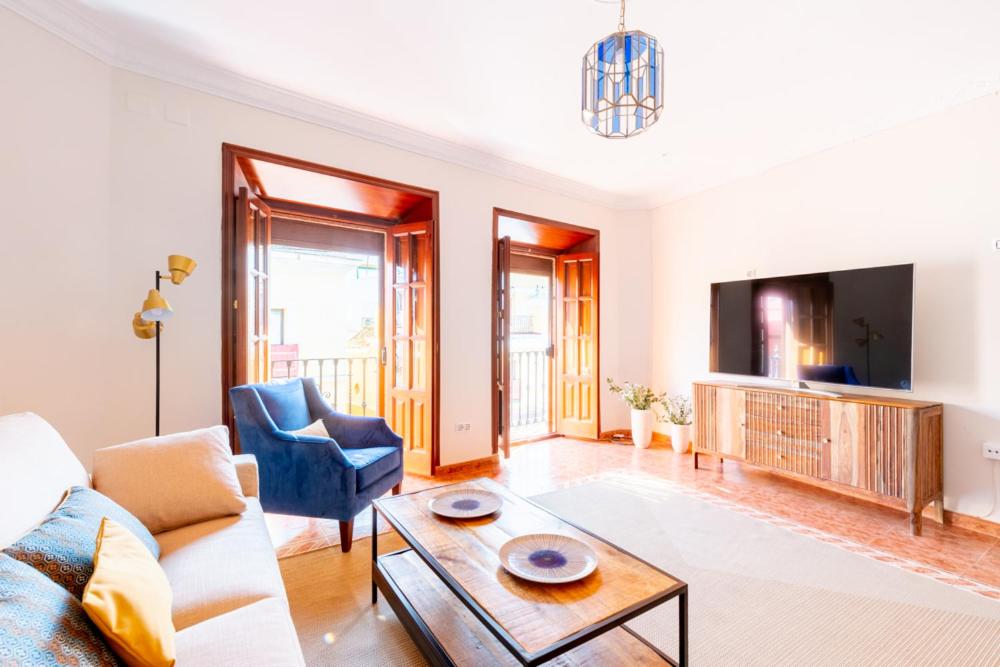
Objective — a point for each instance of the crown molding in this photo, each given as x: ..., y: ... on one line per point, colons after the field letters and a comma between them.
x: 63, y: 19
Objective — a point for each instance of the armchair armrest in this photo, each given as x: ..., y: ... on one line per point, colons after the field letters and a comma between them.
x: 352, y: 431
x: 247, y: 473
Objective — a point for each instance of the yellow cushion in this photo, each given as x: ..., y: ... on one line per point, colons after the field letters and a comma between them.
x: 128, y: 598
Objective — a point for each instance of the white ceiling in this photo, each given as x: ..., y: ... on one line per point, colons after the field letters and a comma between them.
x: 749, y: 85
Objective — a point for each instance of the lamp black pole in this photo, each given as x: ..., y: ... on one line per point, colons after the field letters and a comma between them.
x: 157, y: 325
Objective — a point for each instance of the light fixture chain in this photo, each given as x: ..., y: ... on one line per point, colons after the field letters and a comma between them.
x: 621, y: 18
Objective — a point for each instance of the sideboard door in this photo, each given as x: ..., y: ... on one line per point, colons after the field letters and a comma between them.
x: 730, y: 421
x: 847, y: 439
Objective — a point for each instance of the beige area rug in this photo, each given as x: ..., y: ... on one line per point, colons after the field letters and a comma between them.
x: 760, y: 593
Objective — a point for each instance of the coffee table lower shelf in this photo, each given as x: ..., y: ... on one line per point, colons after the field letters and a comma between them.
x: 448, y: 634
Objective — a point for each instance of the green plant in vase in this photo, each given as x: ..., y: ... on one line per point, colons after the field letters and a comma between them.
x: 640, y: 399
x: 678, y: 414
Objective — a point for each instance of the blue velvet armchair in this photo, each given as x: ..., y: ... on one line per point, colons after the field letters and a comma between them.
x: 331, y: 478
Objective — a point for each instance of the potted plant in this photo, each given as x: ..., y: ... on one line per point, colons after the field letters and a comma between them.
x: 640, y: 399
x: 677, y: 411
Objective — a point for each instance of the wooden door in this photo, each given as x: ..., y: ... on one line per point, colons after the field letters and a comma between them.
x: 253, y: 244
x: 730, y: 421
x: 577, y: 373
x: 502, y: 346
x: 409, y: 322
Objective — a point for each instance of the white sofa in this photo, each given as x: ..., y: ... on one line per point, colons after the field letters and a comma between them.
x: 229, y: 607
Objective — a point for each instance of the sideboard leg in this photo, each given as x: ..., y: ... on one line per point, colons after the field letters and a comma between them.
x: 916, y: 523
x: 939, y: 511
x: 696, y: 460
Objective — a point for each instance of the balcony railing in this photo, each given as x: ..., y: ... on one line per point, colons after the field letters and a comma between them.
x: 529, y: 393
x: 350, y: 384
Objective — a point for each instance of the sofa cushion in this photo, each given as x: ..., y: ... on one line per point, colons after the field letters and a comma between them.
x: 128, y: 599
x: 286, y: 404
x: 172, y: 480
x: 373, y: 463
x: 36, y: 468
x: 257, y: 634
x: 220, y: 565
x: 62, y: 546
x: 42, y: 624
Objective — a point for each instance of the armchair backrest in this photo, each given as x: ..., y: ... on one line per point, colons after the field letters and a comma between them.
x: 285, y: 404
x: 290, y: 405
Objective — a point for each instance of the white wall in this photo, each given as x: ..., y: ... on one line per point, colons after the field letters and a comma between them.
x: 924, y: 193
x: 55, y: 277
x: 164, y: 177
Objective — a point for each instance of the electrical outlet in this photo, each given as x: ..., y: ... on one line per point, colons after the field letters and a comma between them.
x: 991, y: 450
x: 996, y: 244
x: 463, y: 427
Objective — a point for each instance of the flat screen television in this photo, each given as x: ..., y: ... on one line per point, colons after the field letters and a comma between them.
x: 840, y: 327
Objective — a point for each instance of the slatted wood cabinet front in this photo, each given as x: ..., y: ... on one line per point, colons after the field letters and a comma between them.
x: 889, y: 449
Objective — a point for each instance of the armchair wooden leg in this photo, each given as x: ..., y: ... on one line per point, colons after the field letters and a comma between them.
x: 346, y: 535
x: 396, y: 490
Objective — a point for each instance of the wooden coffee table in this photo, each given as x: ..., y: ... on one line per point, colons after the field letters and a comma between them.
x: 462, y: 608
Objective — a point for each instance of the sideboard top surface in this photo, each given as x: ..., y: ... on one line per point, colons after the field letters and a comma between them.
x: 845, y: 398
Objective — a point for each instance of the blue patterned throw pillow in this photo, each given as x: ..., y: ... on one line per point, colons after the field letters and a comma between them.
x: 42, y: 624
x: 62, y: 546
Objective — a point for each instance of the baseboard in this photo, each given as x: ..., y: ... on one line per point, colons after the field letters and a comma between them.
x: 973, y: 523
x: 485, y: 463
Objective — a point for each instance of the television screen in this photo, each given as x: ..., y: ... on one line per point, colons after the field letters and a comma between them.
x: 842, y: 327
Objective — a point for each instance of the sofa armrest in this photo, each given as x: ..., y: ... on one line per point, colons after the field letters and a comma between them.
x: 246, y: 471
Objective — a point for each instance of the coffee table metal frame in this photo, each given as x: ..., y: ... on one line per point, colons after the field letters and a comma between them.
x: 435, y: 653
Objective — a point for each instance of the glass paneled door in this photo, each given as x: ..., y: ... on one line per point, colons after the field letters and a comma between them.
x: 409, y: 320
x: 577, y: 374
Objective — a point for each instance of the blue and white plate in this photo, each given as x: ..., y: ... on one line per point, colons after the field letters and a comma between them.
x: 465, y: 503
x: 548, y: 558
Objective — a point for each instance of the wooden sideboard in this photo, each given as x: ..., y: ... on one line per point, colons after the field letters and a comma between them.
x: 883, y: 448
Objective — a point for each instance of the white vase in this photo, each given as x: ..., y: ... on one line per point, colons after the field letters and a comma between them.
x: 680, y: 437
x: 642, y: 428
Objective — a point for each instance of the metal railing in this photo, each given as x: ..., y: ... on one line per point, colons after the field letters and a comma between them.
x: 529, y: 388
x: 350, y: 384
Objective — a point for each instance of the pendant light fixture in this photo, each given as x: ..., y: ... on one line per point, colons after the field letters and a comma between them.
x: 622, y: 92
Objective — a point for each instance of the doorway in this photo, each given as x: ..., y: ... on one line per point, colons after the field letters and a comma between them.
x: 531, y: 350
x: 545, y: 350
x: 332, y: 275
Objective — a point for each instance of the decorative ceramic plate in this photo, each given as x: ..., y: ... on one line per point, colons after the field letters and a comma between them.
x: 548, y: 558
x: 465, y: 503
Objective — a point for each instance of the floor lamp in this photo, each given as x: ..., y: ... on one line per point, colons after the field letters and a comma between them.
x: 148, y: 323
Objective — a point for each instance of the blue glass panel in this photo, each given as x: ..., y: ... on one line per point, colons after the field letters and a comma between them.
x: 638, y: 118
x: 616, y: 126
x: 652, y: 69
x: 628, y: 63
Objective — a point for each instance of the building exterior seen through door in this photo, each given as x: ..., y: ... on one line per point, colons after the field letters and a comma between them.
x: 531, y: 353
x: 325, y: 317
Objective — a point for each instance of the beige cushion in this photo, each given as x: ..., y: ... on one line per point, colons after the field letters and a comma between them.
x: 258, y: 634
x: 220, y: 565
x: 173, y: 480
x: 317, y: 428
x: 36, y: 469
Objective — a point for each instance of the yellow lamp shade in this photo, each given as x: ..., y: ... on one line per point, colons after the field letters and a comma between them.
x: 155, y: 308
x: 143, y: 329
x: 180, y: 268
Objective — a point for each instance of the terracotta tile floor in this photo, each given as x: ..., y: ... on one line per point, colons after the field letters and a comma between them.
x: 551, y: 464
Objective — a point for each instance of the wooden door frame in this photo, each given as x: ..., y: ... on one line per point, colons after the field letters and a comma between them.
x: 495, y: 283
x: 230, y: 154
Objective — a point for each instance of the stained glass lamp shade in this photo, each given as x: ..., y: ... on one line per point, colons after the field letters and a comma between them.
x: 622, y: 84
